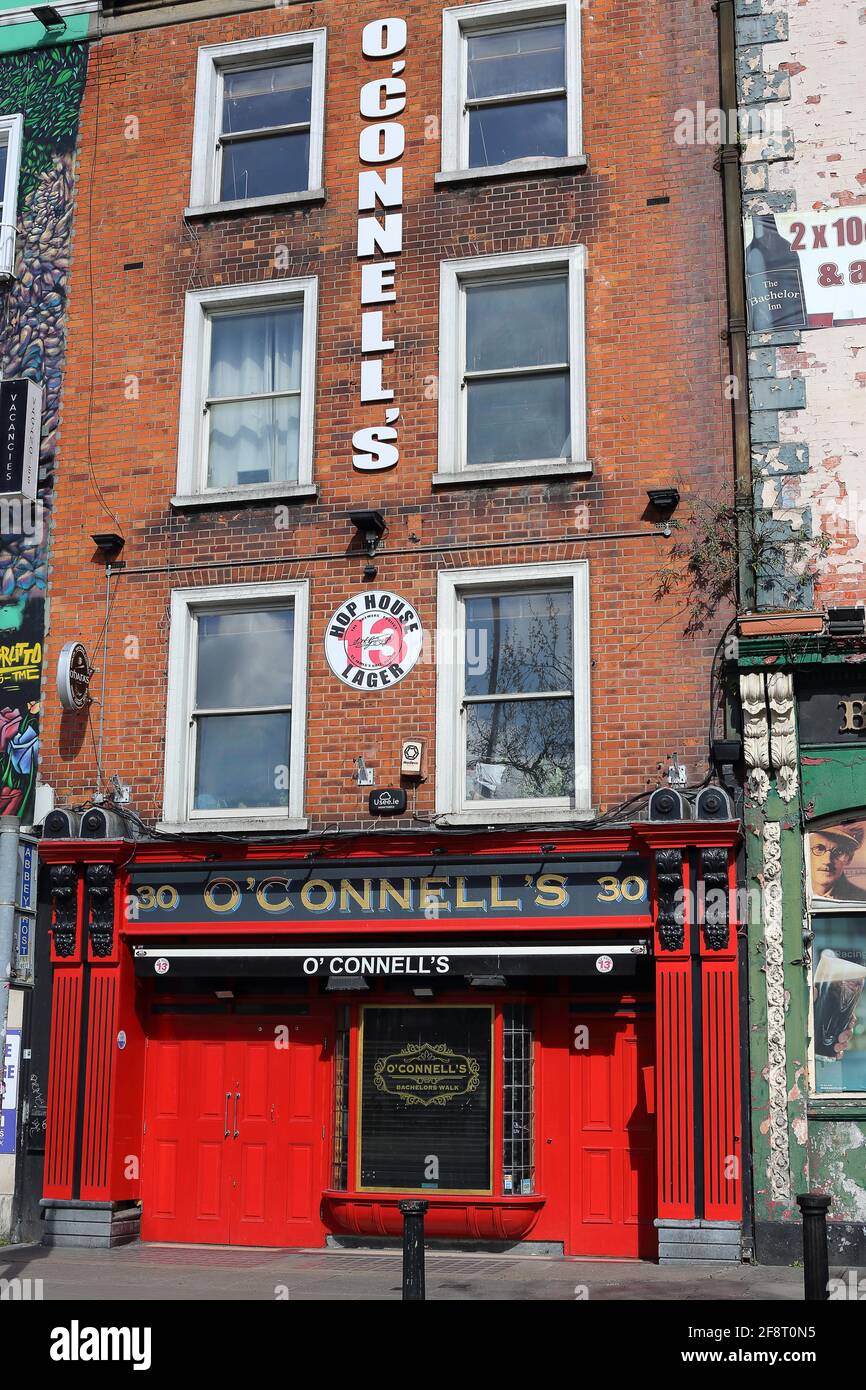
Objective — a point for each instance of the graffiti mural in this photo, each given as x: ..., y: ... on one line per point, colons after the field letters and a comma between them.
x: 46, y: 86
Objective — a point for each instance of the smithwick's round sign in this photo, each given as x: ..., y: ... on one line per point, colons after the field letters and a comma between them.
x: 373, y: 640
x: 73, y: 677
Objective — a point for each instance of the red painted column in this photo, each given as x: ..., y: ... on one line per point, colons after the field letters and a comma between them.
x: 61, y: 1123
x: 675, y: 1062
x: 720, y: 1030
x: 93, y: 1110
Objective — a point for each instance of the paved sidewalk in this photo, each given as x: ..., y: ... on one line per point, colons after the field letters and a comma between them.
x: 144, y: 1272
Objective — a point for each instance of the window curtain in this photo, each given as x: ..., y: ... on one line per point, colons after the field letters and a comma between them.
x: 254, y: 441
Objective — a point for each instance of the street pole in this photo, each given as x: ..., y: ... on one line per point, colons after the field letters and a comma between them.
x: 816, y: 1263
x: 9, y: 833
x: 414, y: 1290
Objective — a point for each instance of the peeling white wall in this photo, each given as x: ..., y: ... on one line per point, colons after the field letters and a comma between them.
x: 825, y: 57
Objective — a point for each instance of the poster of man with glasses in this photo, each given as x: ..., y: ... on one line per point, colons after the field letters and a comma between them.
x: 837, y: 868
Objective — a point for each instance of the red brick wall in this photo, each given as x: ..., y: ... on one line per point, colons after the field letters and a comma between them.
x: 655, y: 367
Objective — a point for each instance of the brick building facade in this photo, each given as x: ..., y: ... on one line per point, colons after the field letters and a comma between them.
x: 254, y: 333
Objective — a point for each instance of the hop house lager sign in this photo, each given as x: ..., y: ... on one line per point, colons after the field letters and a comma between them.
x: 373, y: 640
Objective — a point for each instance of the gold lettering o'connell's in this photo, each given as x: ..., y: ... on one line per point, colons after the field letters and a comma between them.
x: 550, y: 890
x: 234, y: 895
x: 262, y: 895
x: 330, y: 895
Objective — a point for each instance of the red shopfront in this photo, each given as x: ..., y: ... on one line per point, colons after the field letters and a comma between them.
x: 537, y: 1034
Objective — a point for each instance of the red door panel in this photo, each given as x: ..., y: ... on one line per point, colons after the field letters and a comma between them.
x: 612, y: 1141
x: 301, y: 1124
x: 235, y: 1144
x: 185, y: 1195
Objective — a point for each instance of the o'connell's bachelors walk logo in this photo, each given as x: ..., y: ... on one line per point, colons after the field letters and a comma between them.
x: 426, y: 1074
x: 373, y: 640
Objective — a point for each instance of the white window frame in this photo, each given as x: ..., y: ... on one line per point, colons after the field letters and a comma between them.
x: 12, y: 135
x: 192, y: 486
x: 454, y: 276
x: 451, y: 804
x: 463, y: 20
x: 186, y: 604
x: 213, y: 61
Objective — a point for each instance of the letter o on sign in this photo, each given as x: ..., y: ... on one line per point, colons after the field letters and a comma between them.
x: 382, y: 38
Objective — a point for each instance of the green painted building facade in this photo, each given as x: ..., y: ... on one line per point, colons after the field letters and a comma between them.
x: 805, y: 806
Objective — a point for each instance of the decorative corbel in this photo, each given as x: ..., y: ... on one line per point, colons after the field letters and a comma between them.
x: 100, y: 886
x: 714, y: 863
x: 783, y: 732
x: 63, y: 890
x: 756, y: 742
x: 671, y: 916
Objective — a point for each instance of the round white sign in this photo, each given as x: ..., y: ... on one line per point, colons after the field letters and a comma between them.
x: 73, y: 677
x: 604, y: 965
x: 161, y: 965
x: 373, y: 640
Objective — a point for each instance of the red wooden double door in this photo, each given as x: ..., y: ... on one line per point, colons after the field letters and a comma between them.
x: 235, y: 1148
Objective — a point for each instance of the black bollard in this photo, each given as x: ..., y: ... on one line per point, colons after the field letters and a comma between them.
x: 816, y: 1263
x: 413, y: 1250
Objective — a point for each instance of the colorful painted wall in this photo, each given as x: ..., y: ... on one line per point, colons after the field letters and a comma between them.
x: 45, y: 84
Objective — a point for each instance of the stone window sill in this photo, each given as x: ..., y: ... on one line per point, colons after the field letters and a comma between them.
x: 308, y: 197
x: 240, y: 824
x: 525, y: 816
x: 517, y: 169
x: 512, y: 473
x: 229, y: 498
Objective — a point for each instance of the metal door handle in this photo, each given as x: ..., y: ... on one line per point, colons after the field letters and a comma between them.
x: 226, y: 1117
x: 237, y: 1098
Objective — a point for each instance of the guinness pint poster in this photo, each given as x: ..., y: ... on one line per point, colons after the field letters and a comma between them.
x: 839, y: 1002
x: 805, y: 269
x: 425, y: 1099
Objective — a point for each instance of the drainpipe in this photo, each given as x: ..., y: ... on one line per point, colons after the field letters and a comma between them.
x: 729, y: 166
x: 738, y: 346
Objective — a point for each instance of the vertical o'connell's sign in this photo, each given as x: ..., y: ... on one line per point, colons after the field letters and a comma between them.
x: 73, y: 677
x: 380, y: 230
x: 373, y: 640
